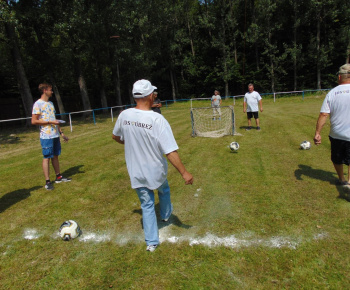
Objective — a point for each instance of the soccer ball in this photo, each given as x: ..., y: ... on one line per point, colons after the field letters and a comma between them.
x: 69, y: 230
x: 234, y: 146
x: 305, y: 145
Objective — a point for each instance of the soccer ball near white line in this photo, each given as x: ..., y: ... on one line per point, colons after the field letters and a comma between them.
x: 69, y: 230
x: 305, y: 145
x: 234, y: 146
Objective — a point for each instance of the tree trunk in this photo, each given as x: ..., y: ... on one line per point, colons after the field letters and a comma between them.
x: 256, y: 46
x: 82, y: 86
x: 116, y: 81
x: 57, y: 94
x: 272, y: 75
x: 191, y: 38
x: 295, y: 47
x: 173, y: 86
x: 48, y: 64
x: 22, y: 81
x: 318, y: 44
x: 272, y: 68
x: 101, y: 87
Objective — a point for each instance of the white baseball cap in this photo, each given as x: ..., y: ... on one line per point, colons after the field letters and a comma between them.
x: 344, y: 69
x: 142, y: 88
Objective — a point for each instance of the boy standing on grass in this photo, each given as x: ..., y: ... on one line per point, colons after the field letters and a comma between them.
x: 251, y: 103
x: 147, y: 136
x: 44, y: 115
x: 216, y: 103
x: 337, y: 106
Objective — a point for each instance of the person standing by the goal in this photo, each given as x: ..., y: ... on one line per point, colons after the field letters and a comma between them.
x: 337, y: 106
x: 148, y: 137
x: 156, y: 104
x: 251, y: 103
x: 216, y: 103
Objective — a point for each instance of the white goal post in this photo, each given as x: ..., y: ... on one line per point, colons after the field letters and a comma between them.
x: 209, y: 122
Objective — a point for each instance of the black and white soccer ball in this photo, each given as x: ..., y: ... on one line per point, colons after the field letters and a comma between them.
x: 305, y: 145
x: 69, y: 230
x: 234, y: 146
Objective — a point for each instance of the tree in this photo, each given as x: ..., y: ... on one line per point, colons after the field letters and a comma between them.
x: 23, y: 85
x: 38, y: 19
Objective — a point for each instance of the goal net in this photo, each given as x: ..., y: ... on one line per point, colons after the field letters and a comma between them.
x: 210, y: 122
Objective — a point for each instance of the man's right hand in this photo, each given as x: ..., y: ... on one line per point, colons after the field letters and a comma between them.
x: 317, y: 139
x: 187, y: 177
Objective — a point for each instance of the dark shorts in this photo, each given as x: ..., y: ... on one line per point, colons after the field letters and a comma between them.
x: 251, y: 114
x: 340, y: 151
x: 51, y: 147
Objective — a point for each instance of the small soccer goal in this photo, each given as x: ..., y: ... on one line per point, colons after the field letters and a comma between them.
x: 210, y: 122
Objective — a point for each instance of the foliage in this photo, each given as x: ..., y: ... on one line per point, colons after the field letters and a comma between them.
x: 187, y: 48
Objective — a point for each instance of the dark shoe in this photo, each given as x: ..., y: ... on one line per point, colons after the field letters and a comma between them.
x: 49, y: 186
x: 60, y: 178
x: 248, y: 128
x: 258, y: 128
x: 340, y: 182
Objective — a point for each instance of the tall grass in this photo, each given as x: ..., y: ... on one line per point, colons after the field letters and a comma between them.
x: 267, y: 216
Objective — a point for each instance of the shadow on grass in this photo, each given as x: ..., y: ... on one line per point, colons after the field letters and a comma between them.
x: 322, y: 175
x: 73, y: 171
x: 173, y: 220
x: 9, y: 139
x: 11, y: 198
x: 252, y: 128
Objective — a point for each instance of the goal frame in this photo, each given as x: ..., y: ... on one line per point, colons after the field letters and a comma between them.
x: 195, y: 127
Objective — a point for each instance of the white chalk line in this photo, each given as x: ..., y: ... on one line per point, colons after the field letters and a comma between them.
x: 209, y: 239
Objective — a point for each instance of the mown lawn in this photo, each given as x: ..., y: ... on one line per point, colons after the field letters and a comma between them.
x: 267, y: 216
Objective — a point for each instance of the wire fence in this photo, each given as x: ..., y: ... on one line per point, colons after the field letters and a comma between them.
x: 115, y: 110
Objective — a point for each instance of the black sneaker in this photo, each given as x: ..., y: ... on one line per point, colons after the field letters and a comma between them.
x: 60, y: 178
x: 258, y: 128
x: 49, y: 185
x: 340, y: 182
x: 248, y: 128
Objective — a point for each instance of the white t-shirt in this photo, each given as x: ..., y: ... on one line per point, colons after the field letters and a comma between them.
x: 147, y: 136
x: 46, y: 110
x: 216, y: 100
x: 252, y: 99
x: 337, y: 104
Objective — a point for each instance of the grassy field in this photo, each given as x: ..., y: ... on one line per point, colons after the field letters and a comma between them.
x: 266, y: 217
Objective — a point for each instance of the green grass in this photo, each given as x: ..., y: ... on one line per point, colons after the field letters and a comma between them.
x: 265, y: 217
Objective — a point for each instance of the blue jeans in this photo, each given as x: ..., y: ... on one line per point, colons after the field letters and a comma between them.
x: 149, y: 219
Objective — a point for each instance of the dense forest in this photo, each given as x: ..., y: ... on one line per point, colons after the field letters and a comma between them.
x: 93, y: 51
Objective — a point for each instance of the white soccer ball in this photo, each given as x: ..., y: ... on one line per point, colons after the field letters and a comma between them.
x: 305, y: 145
x: 69, y: 230
x: 234, y: 146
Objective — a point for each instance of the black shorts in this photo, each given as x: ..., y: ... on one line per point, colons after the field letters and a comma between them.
x: 340, y: 151
x: 251, y: 114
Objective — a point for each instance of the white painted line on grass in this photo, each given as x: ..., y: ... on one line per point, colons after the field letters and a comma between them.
x: 30, y: 234
x: 209, y: 240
